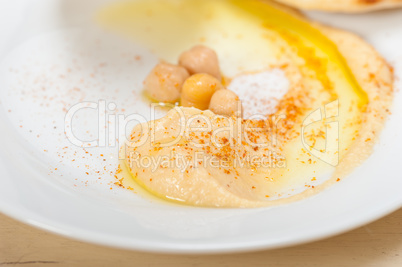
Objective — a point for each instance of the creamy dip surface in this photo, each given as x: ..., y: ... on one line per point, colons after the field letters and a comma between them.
x: 314, y: 100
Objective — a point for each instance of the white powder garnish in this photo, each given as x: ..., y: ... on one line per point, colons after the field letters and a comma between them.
x: 261, y: 92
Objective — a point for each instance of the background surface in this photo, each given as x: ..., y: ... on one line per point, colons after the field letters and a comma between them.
x: 377, y: 244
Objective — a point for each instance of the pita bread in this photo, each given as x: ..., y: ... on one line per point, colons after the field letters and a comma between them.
x: 347, y: 6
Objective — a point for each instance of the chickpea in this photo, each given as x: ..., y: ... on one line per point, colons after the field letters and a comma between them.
x: 165, y: 81
x: 198, y: 90
x: 226, y: 102
x: 201, y: 59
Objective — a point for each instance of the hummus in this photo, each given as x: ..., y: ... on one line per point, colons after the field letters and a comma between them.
x: 325, y: 125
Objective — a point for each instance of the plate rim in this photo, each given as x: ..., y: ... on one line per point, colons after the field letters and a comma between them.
x: 95, y: 238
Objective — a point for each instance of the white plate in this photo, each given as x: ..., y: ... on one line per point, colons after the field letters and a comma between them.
x: 48, y: 57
